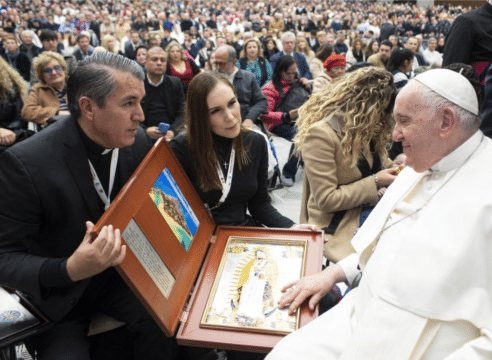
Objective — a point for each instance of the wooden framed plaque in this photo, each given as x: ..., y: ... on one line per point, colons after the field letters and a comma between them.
x: 248, y: 335
x: 168, y: 230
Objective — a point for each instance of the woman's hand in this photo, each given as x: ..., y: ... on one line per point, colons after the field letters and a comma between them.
x: 316, y: 286
x: 304, y: 227
x: 7, y: 137
x: 386, y: 177
x: 294, y: 114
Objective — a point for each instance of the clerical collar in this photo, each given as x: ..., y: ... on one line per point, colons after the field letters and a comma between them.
x: 153, y: 84
x: 91, y: 147
x: 456, y: 158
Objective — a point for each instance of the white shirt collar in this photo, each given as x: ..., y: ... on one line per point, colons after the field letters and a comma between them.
x: 456, y: 158
x: 155, y: 85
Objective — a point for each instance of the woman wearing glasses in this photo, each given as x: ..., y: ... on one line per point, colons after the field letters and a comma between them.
x: 48, y: 97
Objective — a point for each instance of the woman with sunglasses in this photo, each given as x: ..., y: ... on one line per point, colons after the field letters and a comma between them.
x: 48, y: 97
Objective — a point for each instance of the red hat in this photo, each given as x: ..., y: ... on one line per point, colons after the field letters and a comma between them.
x: 334, y: 60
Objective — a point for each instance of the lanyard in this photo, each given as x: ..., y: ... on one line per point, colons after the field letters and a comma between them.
x: 97, y: 183
x: 226, y: 184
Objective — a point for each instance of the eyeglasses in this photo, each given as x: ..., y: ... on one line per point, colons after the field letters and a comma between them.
x: 48, y: 71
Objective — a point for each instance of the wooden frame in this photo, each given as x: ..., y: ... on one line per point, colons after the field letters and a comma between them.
x: 191, y: 333
x: 161, y: 270
x: 134, y: 212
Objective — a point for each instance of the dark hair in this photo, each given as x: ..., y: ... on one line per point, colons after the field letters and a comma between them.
x: 386, y: 43
x: 94, y: 78
x: 199, y: 130
x: 47, y: 35
x: 323, y: 52
x: 398, y: 57
x: 358, y: 66
x: 470, y: 73
x: 140, y: 47
x: 283, y: 64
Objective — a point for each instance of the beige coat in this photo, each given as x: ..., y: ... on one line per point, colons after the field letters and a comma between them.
x: 41, y: 104
x: 330, y: 186
x: 316, y: 67
x: 321, y: 81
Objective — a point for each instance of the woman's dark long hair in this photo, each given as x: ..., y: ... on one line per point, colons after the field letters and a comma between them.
x: 323, y: 52
x: 199, y: 130
x: 398, y: 57
x: 283, y: 64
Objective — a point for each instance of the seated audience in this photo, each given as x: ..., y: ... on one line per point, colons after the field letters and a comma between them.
x: 178, y: 65
x: 251, y: 100
x: 285, y: 94
x: 356, y: 55
x: 164, y: 97
x: 400, y: 64
x: 270, y: 48
x: 316, y: 66
x: 334, y: 67
x: 48, y: 97
x: 431, y: 55
x: 252, y: 60
x: 17, y: 59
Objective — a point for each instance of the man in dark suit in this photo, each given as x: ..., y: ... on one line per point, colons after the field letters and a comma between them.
x: 164, y: 97
x: 251, y: 100
x: 50, y: 199
x: 388, y: 28
x: 288, y: 45
x: 131, y: 45
x: 93, y: 25
x: 83, y: 41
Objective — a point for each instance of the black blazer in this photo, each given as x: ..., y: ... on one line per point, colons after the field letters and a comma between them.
x: 47, y: 195
x: 22, y: 64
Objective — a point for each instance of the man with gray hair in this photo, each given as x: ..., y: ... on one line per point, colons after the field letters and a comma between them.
x: 252, y: 101
x: 54, y: 188
x: 424, y: 251
x: 28, y: 47
x: 288, y: 48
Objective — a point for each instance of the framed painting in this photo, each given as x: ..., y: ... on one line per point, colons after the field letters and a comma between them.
x: 248, y: 285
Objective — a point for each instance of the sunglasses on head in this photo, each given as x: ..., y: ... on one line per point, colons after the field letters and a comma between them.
x: 48, y: 71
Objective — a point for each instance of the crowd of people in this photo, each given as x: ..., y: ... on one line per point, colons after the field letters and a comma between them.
x: 381, y: 102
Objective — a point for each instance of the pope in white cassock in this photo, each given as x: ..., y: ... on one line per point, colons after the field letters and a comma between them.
x: 425, y: 251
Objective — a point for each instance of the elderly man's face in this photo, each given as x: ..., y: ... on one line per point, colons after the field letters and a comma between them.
x: 27, y: 38
x: 289, y: 44
x: 418, y: 128
x: 222, y: 62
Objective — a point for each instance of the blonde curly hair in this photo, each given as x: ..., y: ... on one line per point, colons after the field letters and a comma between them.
x: 364, y: 99
x: 11, y: 83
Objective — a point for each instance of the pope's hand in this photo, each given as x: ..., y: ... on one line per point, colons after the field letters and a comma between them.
x: 93, y: 257
x: 304, y: 227
x: 315, y: 286
x: 387, y: 176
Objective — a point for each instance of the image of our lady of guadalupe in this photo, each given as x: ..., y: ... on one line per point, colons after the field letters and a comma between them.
x: 255, y: 300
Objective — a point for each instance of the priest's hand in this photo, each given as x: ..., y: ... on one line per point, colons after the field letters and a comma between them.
x: 93, y: 257
x: 315, y: 286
